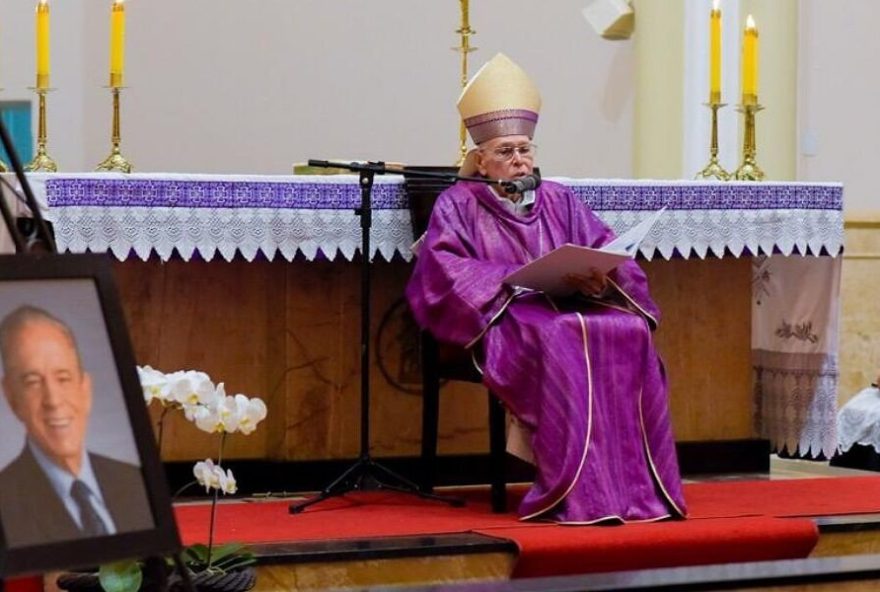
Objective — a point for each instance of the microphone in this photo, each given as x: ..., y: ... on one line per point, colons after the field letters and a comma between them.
x: 521, y: 184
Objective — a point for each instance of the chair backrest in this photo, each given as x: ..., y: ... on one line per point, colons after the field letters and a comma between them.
x: 450, y: 361
x: 422, y: 193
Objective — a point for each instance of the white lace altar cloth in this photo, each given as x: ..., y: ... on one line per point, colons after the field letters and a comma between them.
x: 309, y: 215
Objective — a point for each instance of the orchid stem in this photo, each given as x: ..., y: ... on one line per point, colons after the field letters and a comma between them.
x: 214, y: 501
x: 161, y: 423
x: 184, y: 488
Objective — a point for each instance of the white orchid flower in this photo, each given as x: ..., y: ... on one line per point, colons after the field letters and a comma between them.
x: 192, y: 388
x: 227, y: 481
x: 205, y: 473
x: 230, y: 413
x: 154, y: 383
x: 207, y: 419
x: 200, y: 411
x: 212, y: 476
x: 253, y: 412
x: 210, y: 409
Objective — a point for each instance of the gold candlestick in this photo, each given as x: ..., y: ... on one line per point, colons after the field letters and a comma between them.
x: 465, y: 48
x: 714, y: 170
x: 115, y: 162
x: 749, y: 169
x: 42, y: 161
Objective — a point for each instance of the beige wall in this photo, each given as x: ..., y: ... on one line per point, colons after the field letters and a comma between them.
x: 838, y: 90
x: 838, y: 125
x: 251, y: 87
x: 66, y: 103
x: 860, y: 321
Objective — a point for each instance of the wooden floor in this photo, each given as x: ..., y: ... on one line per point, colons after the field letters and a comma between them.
x: 787, y: 468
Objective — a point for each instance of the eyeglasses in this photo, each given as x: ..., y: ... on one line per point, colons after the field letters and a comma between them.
x: 505, y: 153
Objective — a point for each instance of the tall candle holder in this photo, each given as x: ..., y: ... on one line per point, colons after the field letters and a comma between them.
x: 42, y: 162
x: 115, y: 162
x: 714, y: 170
x: 749, y: 169
x: 465, y: 48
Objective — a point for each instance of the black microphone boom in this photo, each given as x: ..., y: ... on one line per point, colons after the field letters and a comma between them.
x: 521, y: 184
x: 379, y: 168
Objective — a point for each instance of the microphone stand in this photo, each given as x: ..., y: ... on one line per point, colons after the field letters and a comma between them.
x: 366, y: 473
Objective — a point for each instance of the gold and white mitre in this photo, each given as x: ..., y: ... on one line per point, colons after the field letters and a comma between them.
x: 500, y: 100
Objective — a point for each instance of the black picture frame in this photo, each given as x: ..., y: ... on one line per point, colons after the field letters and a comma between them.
x: 49, y: 273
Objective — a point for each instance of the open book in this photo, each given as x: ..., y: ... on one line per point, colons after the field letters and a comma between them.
x: 546, y: 273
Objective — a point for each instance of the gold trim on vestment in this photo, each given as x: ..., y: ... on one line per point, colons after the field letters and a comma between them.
x: 589, y: 422
x: 634, y: 303
x: 654, y: 472
x: 491, y: 322
x: 648, y: 450
x: 612, y: 517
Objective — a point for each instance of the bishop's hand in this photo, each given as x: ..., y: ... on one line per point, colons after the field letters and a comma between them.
x: 593, y: 283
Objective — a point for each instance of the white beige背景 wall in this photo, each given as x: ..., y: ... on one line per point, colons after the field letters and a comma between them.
x: 66, y: 104
x: 838, y: 126
x: 242, y: 86
x: 838, y: 119
x: 251, y: 87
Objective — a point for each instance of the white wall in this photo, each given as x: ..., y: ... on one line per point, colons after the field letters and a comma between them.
x: 66, y: 103
x: 838, y: 119
x: 244, y: 86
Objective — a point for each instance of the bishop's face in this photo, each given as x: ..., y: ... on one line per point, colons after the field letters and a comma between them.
x: 506, y: 157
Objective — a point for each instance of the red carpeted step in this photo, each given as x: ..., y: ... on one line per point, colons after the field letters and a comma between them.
x: 549, y: 551
x: 359, y: 515
x: 729, y: 521
x: 25, y: 584
x: 787, y: 497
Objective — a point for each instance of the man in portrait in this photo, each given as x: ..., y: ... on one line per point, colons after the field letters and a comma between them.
x: 55, y: 489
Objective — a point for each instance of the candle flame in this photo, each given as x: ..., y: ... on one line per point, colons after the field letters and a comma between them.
x: 43, y: 3
x: 750, y: 22
x: 118, y: 2
x: 716, y: 5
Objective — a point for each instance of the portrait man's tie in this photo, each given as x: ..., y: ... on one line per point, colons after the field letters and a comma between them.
x: 92, y: 525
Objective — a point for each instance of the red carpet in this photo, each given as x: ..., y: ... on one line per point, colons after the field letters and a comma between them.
x: 729, y: 522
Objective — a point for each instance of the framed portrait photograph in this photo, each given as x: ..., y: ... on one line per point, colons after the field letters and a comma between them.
x: 81, y: 481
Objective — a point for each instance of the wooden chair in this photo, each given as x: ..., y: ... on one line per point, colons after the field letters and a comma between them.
x: 443, y: 361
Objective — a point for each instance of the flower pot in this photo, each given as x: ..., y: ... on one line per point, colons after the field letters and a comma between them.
x: 233, y: 581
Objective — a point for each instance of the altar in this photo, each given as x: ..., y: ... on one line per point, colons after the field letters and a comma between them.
x: 255, y: 280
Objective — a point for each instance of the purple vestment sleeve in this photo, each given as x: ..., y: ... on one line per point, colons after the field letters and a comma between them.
x: 454, y: 293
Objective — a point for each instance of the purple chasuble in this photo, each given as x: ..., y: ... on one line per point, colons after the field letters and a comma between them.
x: 582, y: 374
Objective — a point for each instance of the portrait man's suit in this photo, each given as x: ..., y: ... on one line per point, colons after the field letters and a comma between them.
x: 31, y: 512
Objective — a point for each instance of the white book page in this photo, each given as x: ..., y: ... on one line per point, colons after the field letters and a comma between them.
x: 629, y: 241
x: 547, y: 272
